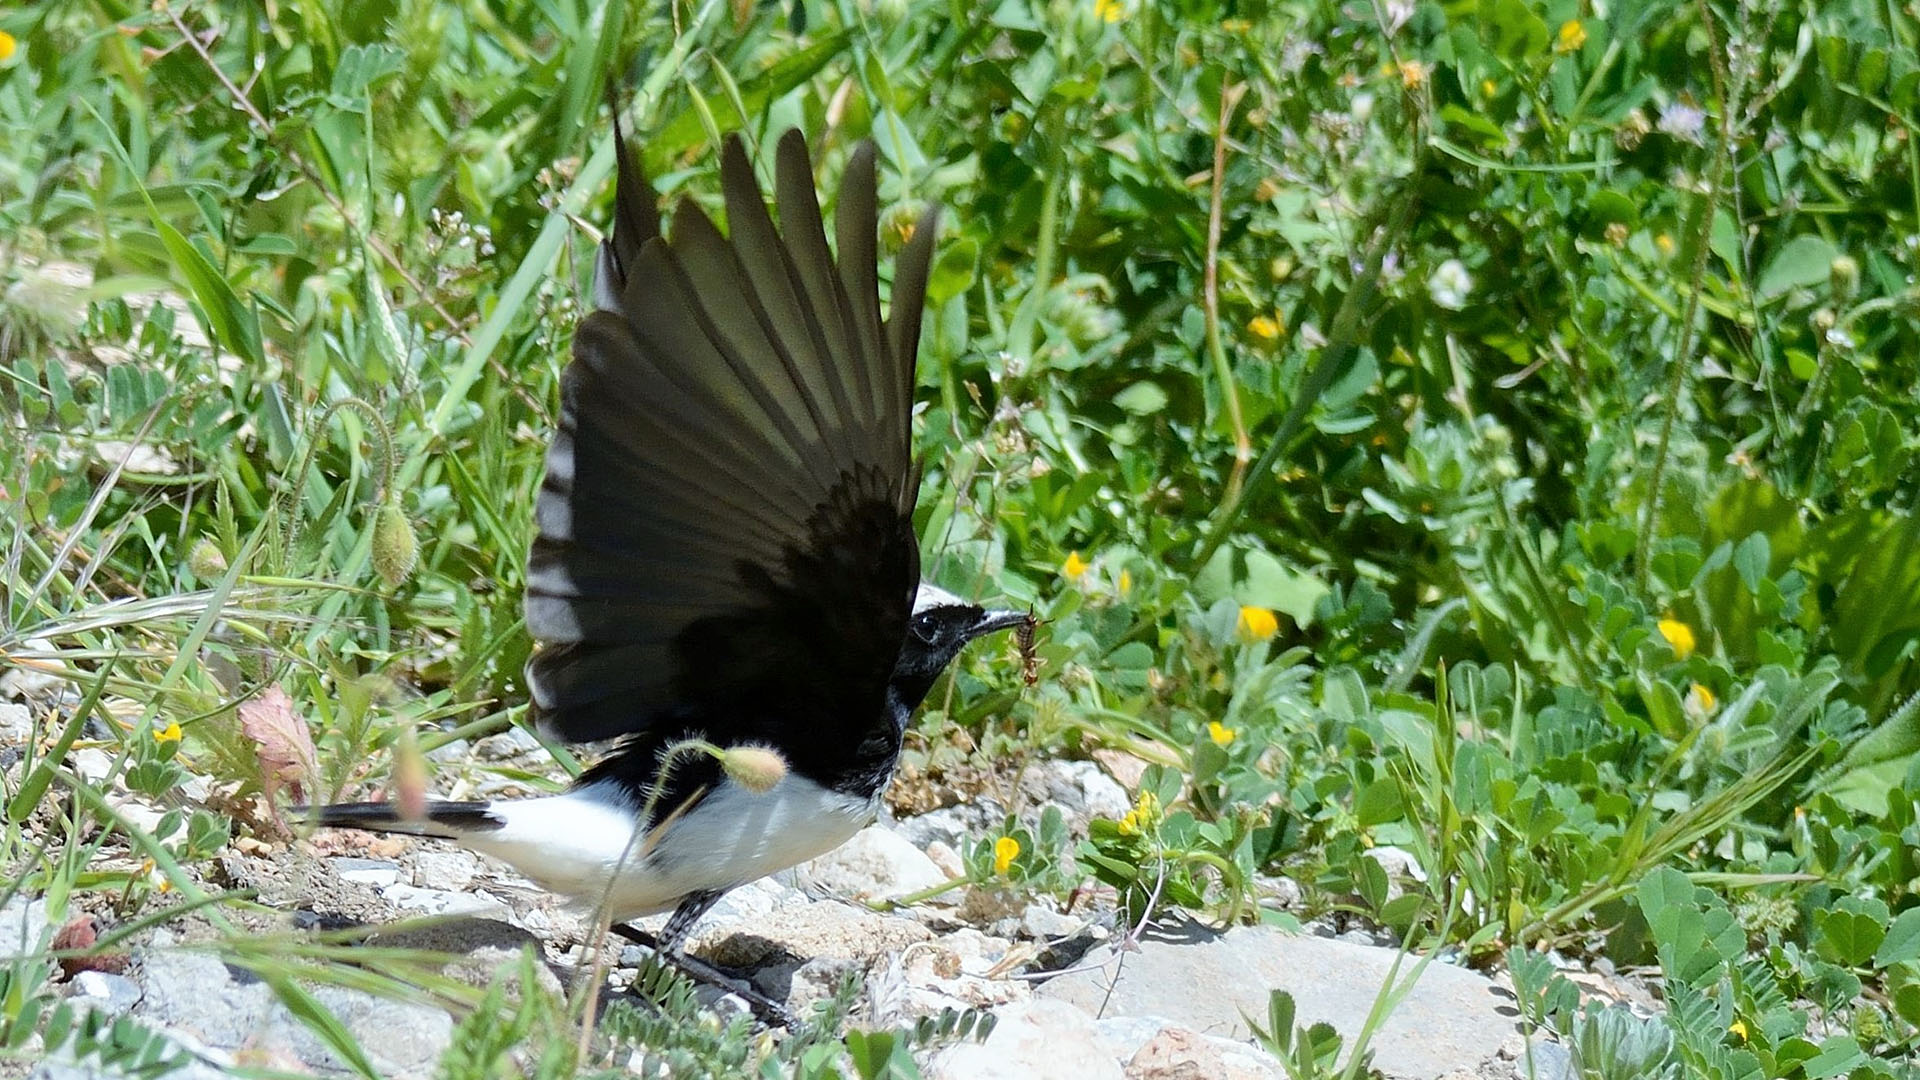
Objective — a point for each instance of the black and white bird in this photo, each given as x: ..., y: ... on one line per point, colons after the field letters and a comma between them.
x: 725, y: 550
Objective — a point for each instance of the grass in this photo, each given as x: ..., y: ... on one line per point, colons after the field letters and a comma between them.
x: 1481, y: 430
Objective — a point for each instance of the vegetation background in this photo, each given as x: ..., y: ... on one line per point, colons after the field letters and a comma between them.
x: 1483, y: 428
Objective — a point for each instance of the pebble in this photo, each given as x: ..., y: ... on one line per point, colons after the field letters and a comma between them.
x: 446, y: 902
x: 1210, y: 982
x: 1033, y: 1040
x: 16, y: 724
x: 507, y: 744
x: 108, y: 993
x: 450, y: 870
x: 1041, y: 921
x: 23, y: 927
x: 378, y: 873
x: 876, y: 864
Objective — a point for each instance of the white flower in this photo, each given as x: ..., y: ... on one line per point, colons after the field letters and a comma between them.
x: 1682, y: 121
x: 1450, y: 285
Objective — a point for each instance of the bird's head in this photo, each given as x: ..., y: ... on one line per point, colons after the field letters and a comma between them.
x: 940, y: 627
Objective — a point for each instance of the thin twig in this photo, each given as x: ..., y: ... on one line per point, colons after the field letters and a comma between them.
x: 1230, y: 94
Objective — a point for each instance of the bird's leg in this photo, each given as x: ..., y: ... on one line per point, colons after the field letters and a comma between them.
x: 670, y: 947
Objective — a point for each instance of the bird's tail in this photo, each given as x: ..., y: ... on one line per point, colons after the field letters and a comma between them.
x: 451, y: 820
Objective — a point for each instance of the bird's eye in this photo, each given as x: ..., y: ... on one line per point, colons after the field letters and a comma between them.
x: 925, y: 626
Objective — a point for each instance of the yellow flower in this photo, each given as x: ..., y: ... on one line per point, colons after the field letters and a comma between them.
x: 1679, y: 635
x: 1125, y: 584
x: 1221, y: 734
x: 1738, y: 1027
x: 1664, y: 243
x: 1572, y: 35
x: 1487, y: 88
x: 1256, y: 624
x: 1075, y: 566
x: 1005, y: 850
x: 1413, y: 74
x: 1702, y: 699
x: 1130, y: 825
x: 7, y: 45
x: 1110, y: 10
x: 170, y: 733
x: 1264, y: 327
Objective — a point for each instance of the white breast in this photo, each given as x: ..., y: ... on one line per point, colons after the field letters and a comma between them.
x: 575, y: 843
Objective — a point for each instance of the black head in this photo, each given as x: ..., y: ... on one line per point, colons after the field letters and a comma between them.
x: 941, y: 626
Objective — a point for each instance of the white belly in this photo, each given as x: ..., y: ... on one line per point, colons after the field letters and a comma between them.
x: 576, y: 843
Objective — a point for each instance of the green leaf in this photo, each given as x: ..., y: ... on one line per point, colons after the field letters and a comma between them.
x: 1271, y: 584
x: 1838, y: 1055
x: 1848, y: 938
x: 1802, y: 263
x: 1142, y: 398
x: 1902, y: 941
x: 321, y: 1021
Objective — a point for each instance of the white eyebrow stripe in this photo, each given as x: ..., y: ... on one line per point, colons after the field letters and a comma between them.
x: 933, y: 596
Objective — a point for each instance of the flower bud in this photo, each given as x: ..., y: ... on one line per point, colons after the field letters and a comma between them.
x: 1843, y: 277
x: 206, y: 560
x: 394, y: 545
x: 756, y: 768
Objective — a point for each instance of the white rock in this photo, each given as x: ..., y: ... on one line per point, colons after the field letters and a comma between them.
x: 16, y: 724
x: 109, y: 993
x: 446, y: 902
x: 1043, y: 922
x: 444, y: 869
x: 947, y: 859
x: 509, y: 743
x: 92, y: 764
x: 23, y: 927
x: 378, y: 873
x: 875, y: 864
x: 1032, y: 1040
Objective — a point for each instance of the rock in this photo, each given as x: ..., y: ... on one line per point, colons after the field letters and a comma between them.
x: 808, y: 931
x: 198, y: 995
x: 23, y: 927
x: 449, y: 870
x: 1078, y: 788
x: 875, y: 864
x: 103, y: 992
x: 190, y: 1069
x: 445, y: 902
x: 1178, y: 1054
x: 1033, y: 1040
x: 16, y: 724
x: 378, y: 873
x: 1452, y: 1018
x: 478, y: 950
x: 92, y: 764
x: 952, y: 825
x: 450, y: 753
x: 507, y: 744
x: 402, y: 1039
x: 958, y: 971
x: 22, y: 683
x: 1041, y: 921
x: 947, y: 859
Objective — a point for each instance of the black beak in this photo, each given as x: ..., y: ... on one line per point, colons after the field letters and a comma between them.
x: 995, y: 620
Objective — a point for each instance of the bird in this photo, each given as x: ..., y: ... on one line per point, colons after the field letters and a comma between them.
x: 724, y: 555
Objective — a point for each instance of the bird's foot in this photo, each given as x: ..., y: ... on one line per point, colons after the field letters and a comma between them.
x: 765, y: 1009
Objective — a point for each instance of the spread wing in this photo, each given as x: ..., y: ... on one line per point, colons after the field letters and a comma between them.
x: 726, y: 515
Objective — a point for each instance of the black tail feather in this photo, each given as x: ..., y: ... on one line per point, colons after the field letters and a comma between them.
x: 443, y: 819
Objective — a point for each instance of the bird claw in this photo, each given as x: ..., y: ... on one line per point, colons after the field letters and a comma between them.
x: 765, y: 1009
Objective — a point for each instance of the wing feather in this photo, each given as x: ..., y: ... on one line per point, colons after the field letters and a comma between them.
x: 725, y: 521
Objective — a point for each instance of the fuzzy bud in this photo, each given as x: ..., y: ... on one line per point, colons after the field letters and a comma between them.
x: 394, y: 546
x: 1843, y: 277
x: 206, y: 560
x: 756, y: 768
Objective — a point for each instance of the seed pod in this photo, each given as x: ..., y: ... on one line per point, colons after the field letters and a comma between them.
x: 394, y: 546
x: 206, y: 560
x: 756, y: 768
